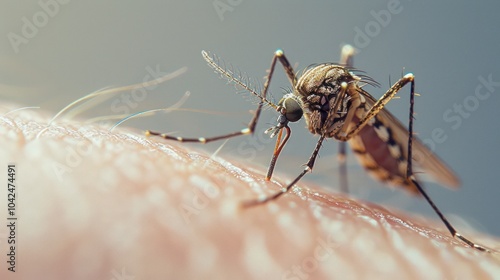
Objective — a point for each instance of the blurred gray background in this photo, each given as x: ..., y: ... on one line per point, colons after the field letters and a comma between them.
x: 54, y: 53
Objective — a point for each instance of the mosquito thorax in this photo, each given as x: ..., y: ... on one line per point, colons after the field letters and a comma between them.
x: 324, y: 79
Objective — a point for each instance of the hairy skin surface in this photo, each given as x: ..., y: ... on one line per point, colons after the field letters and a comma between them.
x: 98, y: 205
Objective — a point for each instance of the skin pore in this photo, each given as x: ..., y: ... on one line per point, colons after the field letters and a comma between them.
x: 98, y: 205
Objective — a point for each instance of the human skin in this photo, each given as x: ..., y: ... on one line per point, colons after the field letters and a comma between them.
x: 94, y: 204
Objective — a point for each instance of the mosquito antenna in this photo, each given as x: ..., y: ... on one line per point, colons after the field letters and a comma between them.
x: 229, y: 75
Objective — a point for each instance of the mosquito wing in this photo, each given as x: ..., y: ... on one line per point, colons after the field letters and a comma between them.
x: 424, y: 160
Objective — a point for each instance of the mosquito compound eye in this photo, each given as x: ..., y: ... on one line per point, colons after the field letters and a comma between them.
x: 293, y: 111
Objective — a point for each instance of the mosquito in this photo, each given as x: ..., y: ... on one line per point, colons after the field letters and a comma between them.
x: 334, y: 104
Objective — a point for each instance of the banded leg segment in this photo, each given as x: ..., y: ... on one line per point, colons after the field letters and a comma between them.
x: 202, y: 140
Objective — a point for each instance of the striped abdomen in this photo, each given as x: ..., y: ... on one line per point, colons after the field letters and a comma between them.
x: 382, y: 152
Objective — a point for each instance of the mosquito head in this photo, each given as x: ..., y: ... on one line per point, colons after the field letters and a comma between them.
x: 290, y: 110
x: 322, y: 91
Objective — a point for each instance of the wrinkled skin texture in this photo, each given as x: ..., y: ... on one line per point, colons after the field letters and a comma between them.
x: 100, y: 205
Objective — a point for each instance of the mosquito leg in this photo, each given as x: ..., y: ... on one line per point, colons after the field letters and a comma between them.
x: 202, y: 140
x: 448, y: 225
x: 409, y: 170
x: 280, y: 55
x: 248, y: 130
x: 308, y: 168
x: 346, y: 58
x: 411, y: 178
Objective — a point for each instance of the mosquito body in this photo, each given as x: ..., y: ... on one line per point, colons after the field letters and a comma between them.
x: 382, y: 144
x: 334, y: 104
